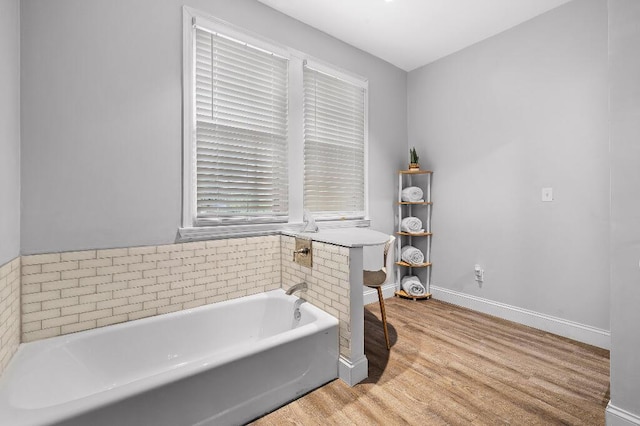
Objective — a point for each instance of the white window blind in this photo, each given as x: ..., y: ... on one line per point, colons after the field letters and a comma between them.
x: 334, y: 146
x: 241, y: 131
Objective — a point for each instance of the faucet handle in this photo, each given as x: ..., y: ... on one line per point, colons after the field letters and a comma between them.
x: 303, y: 251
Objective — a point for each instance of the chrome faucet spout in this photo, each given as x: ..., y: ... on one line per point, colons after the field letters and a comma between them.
x: 298, y: 287
x: 309, y: 222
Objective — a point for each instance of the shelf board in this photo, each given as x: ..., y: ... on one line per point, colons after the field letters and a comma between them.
x: 414, y: 265
x: 414, y: 234
x: 405, y: 295
x: 423, y: 203
x: 415, y: 172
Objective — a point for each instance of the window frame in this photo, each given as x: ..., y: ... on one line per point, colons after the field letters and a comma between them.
x: 363, y: 84
x: 193, y: 228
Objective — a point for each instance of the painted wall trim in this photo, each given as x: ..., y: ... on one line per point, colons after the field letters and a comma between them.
x: 616, y: 416
x: 353, y: 372
x: 573, y: 330
x: 371, y: 295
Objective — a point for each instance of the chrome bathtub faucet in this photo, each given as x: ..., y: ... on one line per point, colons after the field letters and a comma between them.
x: 300, y: 286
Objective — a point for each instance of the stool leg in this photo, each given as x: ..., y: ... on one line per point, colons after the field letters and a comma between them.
x: 384, y: 317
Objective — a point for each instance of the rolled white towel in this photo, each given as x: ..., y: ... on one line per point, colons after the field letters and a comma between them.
x: 412, y: 194
x: 411, y: 224
x: 412, y: 286
x: 412, y: 255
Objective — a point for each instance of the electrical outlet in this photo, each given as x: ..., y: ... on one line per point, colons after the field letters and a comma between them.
x: 547, y: 194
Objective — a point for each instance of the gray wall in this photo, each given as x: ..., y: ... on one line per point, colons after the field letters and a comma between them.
x: 500, y: 120
x: 9, y: 130
x: 624, y: 33
x: 101, y: 102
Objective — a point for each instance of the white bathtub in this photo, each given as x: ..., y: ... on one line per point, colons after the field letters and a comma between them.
x: 220, y: 364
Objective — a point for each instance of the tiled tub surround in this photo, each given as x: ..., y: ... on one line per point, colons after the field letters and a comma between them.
x: 335, y: 285
x: 73, y: 291
x: 9, y: 311
x: 328, y: 282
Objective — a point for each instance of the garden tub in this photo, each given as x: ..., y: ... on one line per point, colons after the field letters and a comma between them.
x: 226, y: 363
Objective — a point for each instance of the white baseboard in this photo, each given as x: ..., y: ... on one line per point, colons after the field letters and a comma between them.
x: 371, y: 294
x: 618, y: 417
x: 351, y: 372
x: 573, y: 330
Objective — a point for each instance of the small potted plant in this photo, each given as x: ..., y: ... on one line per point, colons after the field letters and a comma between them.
x: 413, y: 159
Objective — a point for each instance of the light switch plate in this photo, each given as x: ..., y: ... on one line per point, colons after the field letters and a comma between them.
x: 547, y: 194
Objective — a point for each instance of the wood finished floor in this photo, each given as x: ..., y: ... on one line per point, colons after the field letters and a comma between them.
x: 452, y: 366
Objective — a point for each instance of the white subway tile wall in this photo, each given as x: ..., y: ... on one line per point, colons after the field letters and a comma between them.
x: 73, y: 291
x: 328, y: 282
x: 9, y: 311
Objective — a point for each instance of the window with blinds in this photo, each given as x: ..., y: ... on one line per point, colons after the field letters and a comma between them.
x: 267, y: 133
x: 334, y: 145
x: 241, y: 101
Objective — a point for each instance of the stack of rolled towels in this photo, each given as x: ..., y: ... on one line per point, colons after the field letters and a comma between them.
x: 411, y: 255
x: 412, y: 225
x: 412, y: 194
x: 412, y: 286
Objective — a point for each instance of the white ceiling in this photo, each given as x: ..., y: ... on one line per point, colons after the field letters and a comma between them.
x: 412, y: 33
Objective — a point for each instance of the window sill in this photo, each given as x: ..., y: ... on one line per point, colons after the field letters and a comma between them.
x: 256, y: 230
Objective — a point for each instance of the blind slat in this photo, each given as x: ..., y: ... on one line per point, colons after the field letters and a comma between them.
x: 241, y: 103
x: 334, y: 120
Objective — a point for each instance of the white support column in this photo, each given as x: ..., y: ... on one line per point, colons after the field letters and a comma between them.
x: 354, y: 369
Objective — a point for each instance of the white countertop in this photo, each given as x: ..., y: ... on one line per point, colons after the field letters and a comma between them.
x: 345, y: 237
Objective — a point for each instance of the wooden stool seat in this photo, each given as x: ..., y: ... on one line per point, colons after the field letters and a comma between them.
x: 375, y: 279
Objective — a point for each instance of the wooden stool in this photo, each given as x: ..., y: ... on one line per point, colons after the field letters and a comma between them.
x: 375, y: 279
